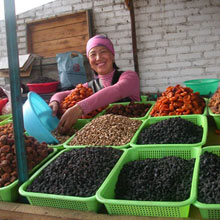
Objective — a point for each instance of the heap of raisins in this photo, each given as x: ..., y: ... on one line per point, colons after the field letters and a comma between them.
x: 209, y: 178
x: 165, y: 179
x: 78, y: 172
x: 171, y: 131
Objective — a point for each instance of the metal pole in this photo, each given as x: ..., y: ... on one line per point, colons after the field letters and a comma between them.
x: 13, y: 61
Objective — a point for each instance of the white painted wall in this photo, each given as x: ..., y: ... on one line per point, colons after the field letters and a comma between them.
x: 177, y: 40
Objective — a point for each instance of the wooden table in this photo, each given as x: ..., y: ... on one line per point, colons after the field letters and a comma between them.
x: 21, y: 211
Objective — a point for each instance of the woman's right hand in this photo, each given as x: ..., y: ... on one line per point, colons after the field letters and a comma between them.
x: 69, y: 118
x: 54, y: 106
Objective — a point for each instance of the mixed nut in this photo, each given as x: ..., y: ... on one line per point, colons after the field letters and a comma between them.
x: 110, y: 130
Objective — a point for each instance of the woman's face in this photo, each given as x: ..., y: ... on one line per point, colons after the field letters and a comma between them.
x: 101, y: 60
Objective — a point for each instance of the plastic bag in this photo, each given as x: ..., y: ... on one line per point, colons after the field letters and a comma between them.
x: 3, y: 102
x: 7, y: 108
x: 71, y: 69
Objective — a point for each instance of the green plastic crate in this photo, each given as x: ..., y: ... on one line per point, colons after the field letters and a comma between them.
x: 126, y: 103
x: 59, y: 201
x: 216, y: 118
x: 200, y: 120
x: 67, y: 145
x: 209, y: 211
x: 5, y: 118
x: 148, y: 208
x: 10, y: 193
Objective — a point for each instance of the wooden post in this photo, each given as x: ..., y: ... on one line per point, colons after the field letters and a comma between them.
x: 130, y: 6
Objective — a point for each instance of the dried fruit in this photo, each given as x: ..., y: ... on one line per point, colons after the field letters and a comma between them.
x: 178, y: 100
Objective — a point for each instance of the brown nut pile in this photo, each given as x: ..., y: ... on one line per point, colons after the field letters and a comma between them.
x: 132, y: 110
x: 63, y: 137
x: 214, y: 102
x: 107, y: 130
x: 36, y: 152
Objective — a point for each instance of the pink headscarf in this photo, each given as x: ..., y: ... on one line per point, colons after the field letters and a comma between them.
x: 99, y: 40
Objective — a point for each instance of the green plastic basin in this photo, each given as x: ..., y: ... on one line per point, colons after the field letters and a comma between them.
x: 203, y: 86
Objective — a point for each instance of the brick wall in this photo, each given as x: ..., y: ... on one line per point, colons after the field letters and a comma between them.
x: 177, y: 40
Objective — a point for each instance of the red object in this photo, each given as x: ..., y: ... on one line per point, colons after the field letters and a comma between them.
x: 2, y: 103
x: 43, y: 87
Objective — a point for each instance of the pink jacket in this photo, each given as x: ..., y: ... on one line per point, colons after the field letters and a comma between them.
x: 128, y: 85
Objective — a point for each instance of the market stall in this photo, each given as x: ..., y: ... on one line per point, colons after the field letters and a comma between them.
x: 124, y: 140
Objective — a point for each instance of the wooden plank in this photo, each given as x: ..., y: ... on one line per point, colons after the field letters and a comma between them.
x: 54, y: 52
x: 61, y: 32
x: 57, y: 21
x: 15, y: 211
x: 59, y: 44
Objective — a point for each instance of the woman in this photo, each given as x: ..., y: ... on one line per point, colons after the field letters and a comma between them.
x: 110, y: 86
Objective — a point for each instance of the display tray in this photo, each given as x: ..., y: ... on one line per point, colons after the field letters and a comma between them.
x: 5, y: 118
x: 106, y: 193
x: 68, y: 145
x: 127, y: 103
x: 209, y: 211
x: 10, y: 193
x: 200, y: 120
x: 59, y: 201
x: 205, y: 111
x: 216, y: 118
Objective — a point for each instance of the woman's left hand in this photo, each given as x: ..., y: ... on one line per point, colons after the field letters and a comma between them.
x: 69, y: 118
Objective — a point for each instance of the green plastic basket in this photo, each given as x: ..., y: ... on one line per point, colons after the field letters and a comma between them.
x: 67, y: 145
x: 5, y: 118
x: 216, y: 118
x: 10, y: 193
x: 200, y: 120
x: 126, y: 103
x: 148, y: 208
x: 58, y: 201
x: 78, y: 125
x: 203, y: 86
x: 209, y: 211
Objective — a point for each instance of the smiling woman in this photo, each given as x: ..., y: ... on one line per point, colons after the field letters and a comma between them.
x: 111, y: 85
x: 23, y: 6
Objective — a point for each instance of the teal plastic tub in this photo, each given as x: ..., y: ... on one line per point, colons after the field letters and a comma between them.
x: 203, y: 86
x: 209, y: 211
x: 106, y: 193
x: 199, y: 120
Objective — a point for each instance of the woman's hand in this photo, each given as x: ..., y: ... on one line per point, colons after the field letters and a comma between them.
x: 54, y: 106
x: 69, y: 118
